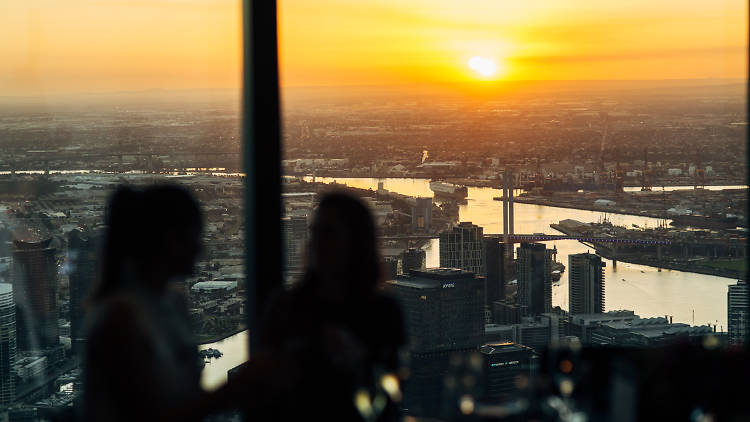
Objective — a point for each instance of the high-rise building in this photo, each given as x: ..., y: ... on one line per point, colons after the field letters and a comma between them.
x: 22, y: 414
x: 444, y: 314
x: 508, y: 213
x: 443, y: 308
x: 586, y: 283
x: 82, y: 253
x: 7, y: 344
x: 413, y: 259
x: 295, y: 232
x: 421, y: 215
x: 34, y: 276
x: 737, y: 311
x: 534, y: 268
x: 506, y: 312
x: 494, y: 267
x: 503, y: 365
x: 461, y: 247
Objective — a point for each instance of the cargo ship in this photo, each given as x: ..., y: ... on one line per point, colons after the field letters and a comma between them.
x: 449, y: 190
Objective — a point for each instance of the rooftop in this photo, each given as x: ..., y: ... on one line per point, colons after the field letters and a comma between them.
x: 432, y: 278
x: 497, y: 348
x: 214, y: 285
x: 603, y: 317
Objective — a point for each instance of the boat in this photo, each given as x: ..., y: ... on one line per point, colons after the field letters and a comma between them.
x: 712, y: 222
x: 449, y: 190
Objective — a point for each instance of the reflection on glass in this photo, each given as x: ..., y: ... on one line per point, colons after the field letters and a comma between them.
x: 96, y: 95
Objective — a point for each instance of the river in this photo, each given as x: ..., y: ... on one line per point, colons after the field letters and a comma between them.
x: 645, y: 290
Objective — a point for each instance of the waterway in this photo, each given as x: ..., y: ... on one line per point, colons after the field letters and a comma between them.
x: 234, y: 349
x: 645, y: 290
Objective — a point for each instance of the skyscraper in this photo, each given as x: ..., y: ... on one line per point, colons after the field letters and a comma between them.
x: 82, y: 263
x: 586, y: 283
x: 503, y: 364
x: 7, y: 344
x: 534, y: 268
x: 295, y: 232
x: 494, y: 267
x: 34, y: 276
x: 444, y: 316
x: 443, y: 308
x: 461, y: 247
x: 737, y: 310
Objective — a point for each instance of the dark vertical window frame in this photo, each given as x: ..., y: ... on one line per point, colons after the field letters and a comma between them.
x: 261, y: 134
x: 747, y: 176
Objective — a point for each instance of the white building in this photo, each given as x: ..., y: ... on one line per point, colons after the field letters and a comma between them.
x: 674, y: 172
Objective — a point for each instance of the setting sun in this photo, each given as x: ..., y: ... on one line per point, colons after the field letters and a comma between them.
x: 483, y: 66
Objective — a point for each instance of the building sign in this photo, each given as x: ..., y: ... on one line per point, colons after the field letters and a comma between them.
x: 512, y: 362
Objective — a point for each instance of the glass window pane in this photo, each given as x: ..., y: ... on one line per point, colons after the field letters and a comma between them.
x: 584, y: 164
x: 97, y: 95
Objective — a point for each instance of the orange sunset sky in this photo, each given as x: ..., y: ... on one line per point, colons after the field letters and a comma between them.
x: 52, y: 46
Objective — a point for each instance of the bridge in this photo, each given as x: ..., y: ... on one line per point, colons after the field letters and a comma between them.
x: 541, y: 237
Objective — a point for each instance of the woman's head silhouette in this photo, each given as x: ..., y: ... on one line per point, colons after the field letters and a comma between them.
x: 154, y: 235
x: 343, y: 259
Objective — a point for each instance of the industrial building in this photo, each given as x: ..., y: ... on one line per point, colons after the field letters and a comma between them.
x: 643, y: 332
x: 581, y: 325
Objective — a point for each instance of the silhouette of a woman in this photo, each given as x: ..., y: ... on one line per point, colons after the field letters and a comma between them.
x: 141, y: 361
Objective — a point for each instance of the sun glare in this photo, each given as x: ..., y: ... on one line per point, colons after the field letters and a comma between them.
x: 483, y: 66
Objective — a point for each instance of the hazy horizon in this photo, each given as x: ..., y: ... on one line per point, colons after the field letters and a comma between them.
x: 107, y: 46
